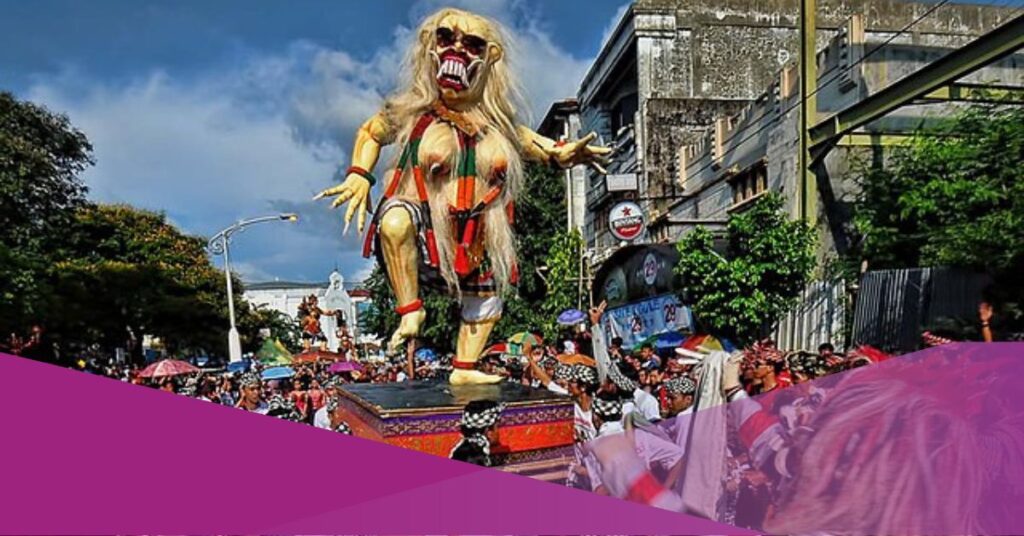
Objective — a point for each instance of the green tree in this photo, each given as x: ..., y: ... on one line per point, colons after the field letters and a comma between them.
x: 953, y: 196
x: 123, y: 273
x: 41, y: 155
x: 563, y: 272
x: 766, y: 263
x: 251, y: 320
x: 540, y: 214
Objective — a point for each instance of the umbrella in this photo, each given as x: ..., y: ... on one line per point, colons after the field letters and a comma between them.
x: 274, y: 353
x: 576, y: 359
x: 517, y: 342
x: 425, y: 354
x: 707, y: 343
x: 344, y: 366
x: 571, y: 317
x: 664, y: 341
x: 277, y: 373
x: 495, y: 349
x: 240, y: 366
x: 317, y: 355
x: 168, y: 367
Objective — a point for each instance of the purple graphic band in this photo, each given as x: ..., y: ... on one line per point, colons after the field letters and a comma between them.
x: 89, y: 455
x: 926, y: 443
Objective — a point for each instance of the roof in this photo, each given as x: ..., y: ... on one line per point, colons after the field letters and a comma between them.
x: 284, y: 285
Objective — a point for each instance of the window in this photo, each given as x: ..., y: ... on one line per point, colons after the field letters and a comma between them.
x: 749, y: 184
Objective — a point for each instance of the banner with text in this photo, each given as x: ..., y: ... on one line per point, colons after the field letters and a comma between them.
x: 637, y: 321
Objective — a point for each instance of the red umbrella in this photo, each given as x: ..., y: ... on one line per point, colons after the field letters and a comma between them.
x: 167, y: 367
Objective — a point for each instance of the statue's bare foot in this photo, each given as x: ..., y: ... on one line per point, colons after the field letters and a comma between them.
x: 472, y: 377
x: 409, y: 327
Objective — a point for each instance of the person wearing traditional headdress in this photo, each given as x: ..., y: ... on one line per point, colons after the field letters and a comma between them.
x: 656, y: 451
x: 283, y: 408
x: 250, y: 394
x: 479, y: 428
x: 335, y: 421
x: 322, y: 419
x: 767, y: 363
x: 680, y: 391
x: 622, y: 381
x: 583, y: 387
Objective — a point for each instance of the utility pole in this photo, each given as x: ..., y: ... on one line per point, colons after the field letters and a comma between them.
x: 808, y: 190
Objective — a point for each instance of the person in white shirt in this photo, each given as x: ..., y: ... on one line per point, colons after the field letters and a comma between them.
x: 251, y: 394
x: 322, y: 417
x: 656, y: 452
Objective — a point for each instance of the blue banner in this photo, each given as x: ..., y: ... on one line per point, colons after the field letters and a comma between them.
x: 635, y: 322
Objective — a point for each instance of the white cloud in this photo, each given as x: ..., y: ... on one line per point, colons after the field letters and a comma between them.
x: 266, y: 135
x: 614, y: 23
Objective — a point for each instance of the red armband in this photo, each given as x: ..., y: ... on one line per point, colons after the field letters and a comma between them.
x: 409, y: 307
x: 362, y: 173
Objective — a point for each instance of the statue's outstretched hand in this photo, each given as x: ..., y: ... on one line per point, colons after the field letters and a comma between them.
x: 580, y: 151
x: 356, y: 191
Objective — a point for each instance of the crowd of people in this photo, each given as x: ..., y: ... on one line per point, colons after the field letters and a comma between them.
x: 629, y: 404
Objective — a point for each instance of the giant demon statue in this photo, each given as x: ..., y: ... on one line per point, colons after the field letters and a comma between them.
x: 446, y: 214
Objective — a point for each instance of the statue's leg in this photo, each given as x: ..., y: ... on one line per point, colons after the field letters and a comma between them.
x: 398, y: 246
x: 479, y: 316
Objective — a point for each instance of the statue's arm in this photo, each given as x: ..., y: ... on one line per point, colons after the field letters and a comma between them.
x: 375, y: 133
x: 535, y: 147
x: 538, y: 148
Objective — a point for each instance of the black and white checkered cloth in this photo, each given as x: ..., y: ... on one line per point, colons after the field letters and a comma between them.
x: 585, y: 375
x: 620, y: 380
x: 608, y: 408
x: 343, y: 428
x: 681, y: 386
x: 483, y: 419
x: 249, y: 378
x: 563, y: 372
x: 332, y: 403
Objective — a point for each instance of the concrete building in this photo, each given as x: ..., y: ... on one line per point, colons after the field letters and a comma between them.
x: 701, y: 98
x: 285, y: 297
x: 676, y: 73
x: 562, y: 122
x: 743, y: 156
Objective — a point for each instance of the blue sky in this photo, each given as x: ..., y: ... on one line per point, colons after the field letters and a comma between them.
x: 213, y: 111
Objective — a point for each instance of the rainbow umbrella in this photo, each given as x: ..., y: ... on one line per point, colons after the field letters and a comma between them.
x: 168, y: 367
x: 518, y: 342
x: 273, y: 353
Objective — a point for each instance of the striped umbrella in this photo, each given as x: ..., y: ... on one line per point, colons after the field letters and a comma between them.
x: 167, y: 367
x: 519, y: 341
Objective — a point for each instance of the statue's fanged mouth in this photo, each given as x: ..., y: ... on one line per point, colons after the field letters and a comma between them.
x: 454, y: 71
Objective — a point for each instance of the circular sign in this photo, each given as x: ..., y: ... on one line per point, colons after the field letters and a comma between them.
x: 626, y: 221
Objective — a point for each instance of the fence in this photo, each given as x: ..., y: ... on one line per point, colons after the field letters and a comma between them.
x: 895, y: 306
x: 819, y: 317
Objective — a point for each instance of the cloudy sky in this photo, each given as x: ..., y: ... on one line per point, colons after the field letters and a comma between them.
x: 212, y: 111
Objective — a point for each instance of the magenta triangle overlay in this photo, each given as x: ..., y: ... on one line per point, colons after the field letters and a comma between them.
x: 88, y: 455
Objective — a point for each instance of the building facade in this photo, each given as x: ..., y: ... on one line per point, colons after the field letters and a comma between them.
x: 286, y: 296
x: 562, y: 122
x: 678, y: 77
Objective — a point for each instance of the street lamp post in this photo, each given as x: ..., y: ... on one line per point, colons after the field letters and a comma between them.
x: 218, y: 245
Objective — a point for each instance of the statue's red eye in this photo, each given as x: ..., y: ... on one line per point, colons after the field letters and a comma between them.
x: 473, y: 44
x: 445, y: 37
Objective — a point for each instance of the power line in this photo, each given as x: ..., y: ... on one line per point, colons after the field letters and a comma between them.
x: 823, y: 85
